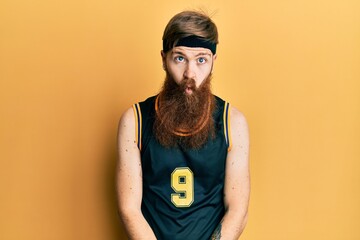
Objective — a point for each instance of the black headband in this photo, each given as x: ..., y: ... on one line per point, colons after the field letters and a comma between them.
x: 192, y: 41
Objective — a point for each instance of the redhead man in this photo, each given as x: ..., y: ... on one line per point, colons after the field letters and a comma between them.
x: 183, y: 170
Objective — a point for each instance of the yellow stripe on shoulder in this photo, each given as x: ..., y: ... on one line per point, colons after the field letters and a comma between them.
x: 227, y: 126
x: 225, y: 123
x: 138, y: 124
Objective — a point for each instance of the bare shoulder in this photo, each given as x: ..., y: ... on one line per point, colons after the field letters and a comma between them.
x: 127, y: 117
x: 126, y: 128
x: 239, y: 129
x: 238, y: 119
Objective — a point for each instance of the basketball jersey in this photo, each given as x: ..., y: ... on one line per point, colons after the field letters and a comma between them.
x: 182, y: 188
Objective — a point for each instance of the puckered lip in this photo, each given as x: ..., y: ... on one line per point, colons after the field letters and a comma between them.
x: 189, y: 89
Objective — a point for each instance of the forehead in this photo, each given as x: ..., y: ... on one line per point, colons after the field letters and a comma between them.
x: 191, y: 51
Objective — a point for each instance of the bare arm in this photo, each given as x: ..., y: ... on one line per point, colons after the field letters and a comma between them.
x: 129, y: 180
x: 237, y: 181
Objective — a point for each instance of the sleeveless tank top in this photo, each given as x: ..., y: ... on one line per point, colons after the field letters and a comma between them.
x: 182, y: 188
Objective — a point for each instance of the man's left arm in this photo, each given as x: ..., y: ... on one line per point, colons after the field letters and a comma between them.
x: 237, y: 180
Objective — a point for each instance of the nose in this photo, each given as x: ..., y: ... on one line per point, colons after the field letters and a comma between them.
x: 190, y: 71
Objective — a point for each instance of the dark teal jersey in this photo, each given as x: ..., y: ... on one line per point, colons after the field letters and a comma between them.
x: 182, y: 189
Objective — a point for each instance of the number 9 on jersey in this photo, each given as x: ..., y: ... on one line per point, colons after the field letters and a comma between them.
x: 182, y: 181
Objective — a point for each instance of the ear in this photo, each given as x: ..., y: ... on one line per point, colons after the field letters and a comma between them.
x: 163, y: 58
x: 212, y: 66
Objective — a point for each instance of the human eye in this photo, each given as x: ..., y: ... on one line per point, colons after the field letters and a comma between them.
x: 201, y: 60
x: 179, y: 58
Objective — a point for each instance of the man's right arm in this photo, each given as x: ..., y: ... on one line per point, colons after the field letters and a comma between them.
x: 129, y: 180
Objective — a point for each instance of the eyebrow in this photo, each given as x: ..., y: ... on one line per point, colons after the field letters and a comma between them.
x: 197, y: 55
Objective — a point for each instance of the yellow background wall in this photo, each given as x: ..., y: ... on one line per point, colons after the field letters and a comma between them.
x: 68, y: 69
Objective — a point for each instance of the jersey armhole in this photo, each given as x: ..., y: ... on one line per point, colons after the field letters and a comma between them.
x: 138, y: 123
x: 227, y: 126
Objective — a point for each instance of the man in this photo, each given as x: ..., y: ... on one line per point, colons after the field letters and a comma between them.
x: 183, y: 168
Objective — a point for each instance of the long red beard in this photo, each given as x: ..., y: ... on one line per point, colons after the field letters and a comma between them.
x: 184, y: 119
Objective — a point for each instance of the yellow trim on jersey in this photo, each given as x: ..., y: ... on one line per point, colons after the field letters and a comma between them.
x: 227, y: 126
x: 225, y: 123
x: 138, y: 124
x: 140, y: 129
